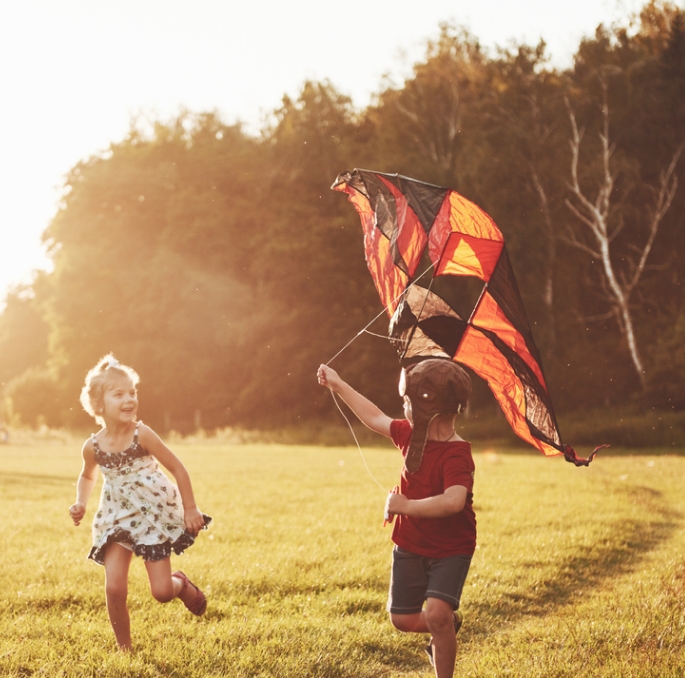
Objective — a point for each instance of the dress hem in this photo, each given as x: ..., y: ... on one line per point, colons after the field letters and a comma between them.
x: 148, y: 552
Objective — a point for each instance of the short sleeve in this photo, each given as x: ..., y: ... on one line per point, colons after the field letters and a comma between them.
x: 459, y: 469
x: 400, y: 433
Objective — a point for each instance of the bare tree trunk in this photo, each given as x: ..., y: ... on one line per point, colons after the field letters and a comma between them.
x: 549, y: 264
x: 595, y: 216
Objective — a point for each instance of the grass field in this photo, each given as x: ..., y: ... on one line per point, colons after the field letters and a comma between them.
x: 579, y: 572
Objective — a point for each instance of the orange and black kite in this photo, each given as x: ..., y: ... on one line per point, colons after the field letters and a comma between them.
x: 442, y: 271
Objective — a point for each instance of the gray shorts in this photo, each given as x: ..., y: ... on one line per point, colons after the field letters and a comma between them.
x: 415, y: 578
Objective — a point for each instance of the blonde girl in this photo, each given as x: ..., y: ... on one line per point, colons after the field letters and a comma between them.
x: 141, y: 511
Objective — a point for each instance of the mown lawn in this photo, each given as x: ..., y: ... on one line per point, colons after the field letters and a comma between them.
x: 579, y: 572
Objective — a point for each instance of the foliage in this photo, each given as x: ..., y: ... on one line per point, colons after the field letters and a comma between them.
x: 588, y: 569
x: 23, y: 333
x: 668, y: 375
x: 224, y: 270
x: 37, y: 398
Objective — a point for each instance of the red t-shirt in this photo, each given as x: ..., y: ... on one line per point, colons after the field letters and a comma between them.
x: 443, y: 465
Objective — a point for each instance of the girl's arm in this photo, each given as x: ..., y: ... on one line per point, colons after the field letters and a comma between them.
x: 85, y: 483
x: 192, y: 517
x: 368, y: 413
x: 450, y: 502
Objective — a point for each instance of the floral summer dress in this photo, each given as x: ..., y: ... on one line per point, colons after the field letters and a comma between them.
x: 140, y: 507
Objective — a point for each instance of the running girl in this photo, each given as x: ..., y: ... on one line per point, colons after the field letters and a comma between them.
x: 141, y: 511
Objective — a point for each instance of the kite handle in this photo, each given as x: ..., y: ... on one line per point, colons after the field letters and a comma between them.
x: 389, y: 518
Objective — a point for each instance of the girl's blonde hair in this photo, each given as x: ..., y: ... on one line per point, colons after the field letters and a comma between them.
x: 98, y: 379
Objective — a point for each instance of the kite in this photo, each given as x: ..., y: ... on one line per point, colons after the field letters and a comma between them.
x: 468, y: 309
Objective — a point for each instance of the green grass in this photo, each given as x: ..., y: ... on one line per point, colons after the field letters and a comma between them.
x: 579, y: 572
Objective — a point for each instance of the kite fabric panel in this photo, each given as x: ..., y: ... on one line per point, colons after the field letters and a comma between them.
x: 442, y: 272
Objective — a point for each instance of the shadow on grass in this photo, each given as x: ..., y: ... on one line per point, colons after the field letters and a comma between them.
x: 268, y: 588
x: 30, y: 479
x: 586, y: 571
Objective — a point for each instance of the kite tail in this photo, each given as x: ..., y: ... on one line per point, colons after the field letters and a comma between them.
x: 570, y: 455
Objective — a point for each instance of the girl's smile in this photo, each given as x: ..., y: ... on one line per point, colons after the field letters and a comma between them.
x: 120, y: 400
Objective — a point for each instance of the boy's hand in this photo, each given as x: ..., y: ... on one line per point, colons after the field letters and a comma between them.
x: 194, y: 521
x: 395, y: 504
x: 77, y: 511
x: 389, y: 516
x: 328, y: 377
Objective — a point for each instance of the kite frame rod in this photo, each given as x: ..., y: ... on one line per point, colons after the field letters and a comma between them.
x: 385, y: 310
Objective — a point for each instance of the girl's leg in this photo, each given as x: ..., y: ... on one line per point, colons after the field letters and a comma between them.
x: 117, y: 561
x: 163, y: 586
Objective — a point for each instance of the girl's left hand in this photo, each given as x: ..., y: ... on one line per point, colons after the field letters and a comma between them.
x: 194, y: 521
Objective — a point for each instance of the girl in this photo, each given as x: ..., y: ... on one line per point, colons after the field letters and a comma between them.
x: 140, y: 510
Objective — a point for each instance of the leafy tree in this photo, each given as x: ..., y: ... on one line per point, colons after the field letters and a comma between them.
x: 428, y: 128
x: 524, y: 188
x: 23, y: 331
x: 312, y: 280
x: 666, y: 379
x: 140, y: 246
x: 23, y: 345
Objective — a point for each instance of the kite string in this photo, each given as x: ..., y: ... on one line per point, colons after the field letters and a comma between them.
x: 384, y: 310
x: 368, y: 470
x: 364, y: 329
x: 357, y: 335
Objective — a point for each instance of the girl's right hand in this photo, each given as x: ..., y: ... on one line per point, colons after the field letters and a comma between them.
x: 77, y: 511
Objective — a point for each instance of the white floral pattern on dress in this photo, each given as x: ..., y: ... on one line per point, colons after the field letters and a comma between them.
x: 139, y: 506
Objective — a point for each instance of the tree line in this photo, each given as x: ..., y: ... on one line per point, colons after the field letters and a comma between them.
x: 221, y: 266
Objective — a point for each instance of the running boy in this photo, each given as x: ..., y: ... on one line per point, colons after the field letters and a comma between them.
x: 435, y: 530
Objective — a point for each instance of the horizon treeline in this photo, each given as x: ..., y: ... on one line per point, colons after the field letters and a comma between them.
x: 221, y: 267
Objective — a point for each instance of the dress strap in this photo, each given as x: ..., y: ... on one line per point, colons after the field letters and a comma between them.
x: 135, y: 433
x: 95, y: 442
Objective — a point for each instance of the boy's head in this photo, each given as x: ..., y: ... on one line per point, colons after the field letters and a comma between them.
x: 434, y: 386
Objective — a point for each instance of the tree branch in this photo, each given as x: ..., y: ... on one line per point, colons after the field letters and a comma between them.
x: 667, y: 188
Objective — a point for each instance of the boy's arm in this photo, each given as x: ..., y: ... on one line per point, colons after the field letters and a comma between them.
x: 368, y: 413
x: 450, y: 502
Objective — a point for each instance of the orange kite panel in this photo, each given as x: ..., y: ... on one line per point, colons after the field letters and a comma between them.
x: 490, y: 316
x: 477, y: 352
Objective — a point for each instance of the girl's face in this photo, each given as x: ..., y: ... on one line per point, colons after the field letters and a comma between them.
x: 120, y: 400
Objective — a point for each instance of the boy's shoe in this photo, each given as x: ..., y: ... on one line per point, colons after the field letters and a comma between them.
x: 458, y: 621
x: 198, y: 604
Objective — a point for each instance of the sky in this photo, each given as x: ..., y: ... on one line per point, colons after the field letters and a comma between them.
x: 76, y: 72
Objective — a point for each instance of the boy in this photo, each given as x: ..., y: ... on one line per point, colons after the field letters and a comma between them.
x: 435, y: 530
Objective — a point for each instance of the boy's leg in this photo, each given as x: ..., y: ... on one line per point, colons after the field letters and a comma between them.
x: 446, y: 583
x: 410, y: 623
x: 438, y: 581
x: 439, y: 617
x: 117, y: 561
x: 408, y: 584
